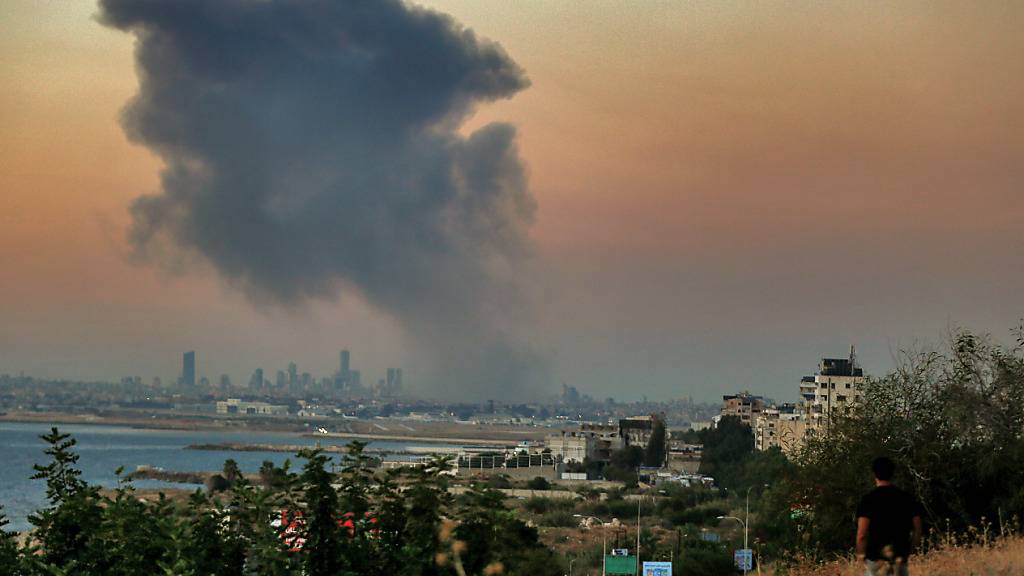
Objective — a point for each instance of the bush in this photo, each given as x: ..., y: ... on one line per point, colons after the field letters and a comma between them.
x: 700, y: 515
x: 217, y: 483
x: 622, y: 508
x: 538, y: 483
x: 705, y: 559
x: 500, y: 481
x: 537, y: 505
x: 559, y: 519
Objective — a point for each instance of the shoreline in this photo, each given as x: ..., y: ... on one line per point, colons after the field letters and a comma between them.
x: 295, y: 448
x: 420, y: 439
x: 429, y: 433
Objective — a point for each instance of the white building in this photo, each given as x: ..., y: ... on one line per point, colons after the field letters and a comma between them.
x: 836, y: 387
x: 571, y: 446
x: 238, y: 406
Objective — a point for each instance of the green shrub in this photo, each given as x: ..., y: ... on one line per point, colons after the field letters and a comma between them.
x: 537, y: 505
x: 538, y: 483
x: 559, y: 519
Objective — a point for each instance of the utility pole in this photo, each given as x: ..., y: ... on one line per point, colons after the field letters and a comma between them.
x: 638, y: 502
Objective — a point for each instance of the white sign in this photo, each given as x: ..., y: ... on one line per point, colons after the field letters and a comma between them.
x: 620, y: 551
x: 657, y: 569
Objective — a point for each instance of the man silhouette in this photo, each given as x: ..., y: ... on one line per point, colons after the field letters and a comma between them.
x: 888, y: 524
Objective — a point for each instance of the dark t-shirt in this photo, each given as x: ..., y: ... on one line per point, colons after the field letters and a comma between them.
x: 891, y: 512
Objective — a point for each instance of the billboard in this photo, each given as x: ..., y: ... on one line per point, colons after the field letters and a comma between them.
x: 620, y: 564
x: 657, y: 569
x: 744, y: 558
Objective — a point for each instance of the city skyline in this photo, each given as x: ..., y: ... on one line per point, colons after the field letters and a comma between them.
x: 724, y: 195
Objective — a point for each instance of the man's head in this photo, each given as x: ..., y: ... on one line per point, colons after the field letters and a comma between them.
x: 883, y: 468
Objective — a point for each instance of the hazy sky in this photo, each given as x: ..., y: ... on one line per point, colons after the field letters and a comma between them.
x: 725, y: 191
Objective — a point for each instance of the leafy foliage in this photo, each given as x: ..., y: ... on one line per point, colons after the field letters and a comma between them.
x: 346, y: 518
x: 655, y: 453
x: 726, y: 447
x: 952, y: 419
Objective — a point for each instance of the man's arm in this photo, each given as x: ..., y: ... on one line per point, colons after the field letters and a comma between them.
x: 862, y: 536
x: 918, y: 532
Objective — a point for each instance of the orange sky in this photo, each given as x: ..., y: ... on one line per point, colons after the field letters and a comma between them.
x: 719, y: 180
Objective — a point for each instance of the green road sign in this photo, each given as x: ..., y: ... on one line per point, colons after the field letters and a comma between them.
x: 620, y: 564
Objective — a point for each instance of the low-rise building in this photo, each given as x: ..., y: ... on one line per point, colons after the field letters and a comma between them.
x: 594, y: 442
x: 745, y: 406
x: 781, y: 427
x: 571, y: 446
x: 238, y: 406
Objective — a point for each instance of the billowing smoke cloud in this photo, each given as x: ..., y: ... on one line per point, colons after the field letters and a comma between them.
x: 312, y: 147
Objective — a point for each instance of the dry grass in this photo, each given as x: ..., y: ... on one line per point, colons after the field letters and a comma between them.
x: 1003, y: 558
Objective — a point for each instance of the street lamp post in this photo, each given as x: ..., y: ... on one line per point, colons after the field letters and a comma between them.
x: 746, y: 521
x: 742, y: 523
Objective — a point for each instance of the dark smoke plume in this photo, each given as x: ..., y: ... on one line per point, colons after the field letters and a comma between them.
x: 312, y: 146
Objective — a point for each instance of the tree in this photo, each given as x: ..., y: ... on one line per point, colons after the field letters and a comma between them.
x: 274, y: 477
x: 232, y: 473
x: 654, y: 455
x: 358, y: 521
x: 64, y: 529
x: 725, y: 449
x: 217, y: 483
x: 9, y: 557
x: 952, y: 421
x: 322, y: 546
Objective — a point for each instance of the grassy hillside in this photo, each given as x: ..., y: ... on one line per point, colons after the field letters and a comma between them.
x: 1004, y: 558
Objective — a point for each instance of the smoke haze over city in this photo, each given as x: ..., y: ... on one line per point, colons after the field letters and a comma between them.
x: 660, y: 199
x: 312, y: 147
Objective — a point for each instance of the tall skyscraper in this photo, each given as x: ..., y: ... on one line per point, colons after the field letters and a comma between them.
x: 188, y: 369
x: 293, y: 377
x: 393, y: 383
x: 344, y: 365
x: 256, y: 382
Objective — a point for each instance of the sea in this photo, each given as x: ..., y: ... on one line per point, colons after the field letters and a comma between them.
x: 104, y: 449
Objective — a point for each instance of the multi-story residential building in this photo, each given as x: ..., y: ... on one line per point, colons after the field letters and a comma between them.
x: 744, y: 406
x: 835, y: 387
x: 636, y: 430
x: 780, y: 426
x: 787, y: 434
x: 606, y: 437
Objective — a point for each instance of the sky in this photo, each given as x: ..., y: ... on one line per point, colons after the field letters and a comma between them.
x: 725, y: 192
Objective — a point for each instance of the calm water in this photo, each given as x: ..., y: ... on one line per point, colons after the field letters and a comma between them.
x: 102, y: 449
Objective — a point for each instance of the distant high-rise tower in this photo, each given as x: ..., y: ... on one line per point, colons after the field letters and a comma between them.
x: 393, y: 383
x: 188, y: 369
x: 344, y: 365
x: 256, y: 382
x: 293, y: 376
